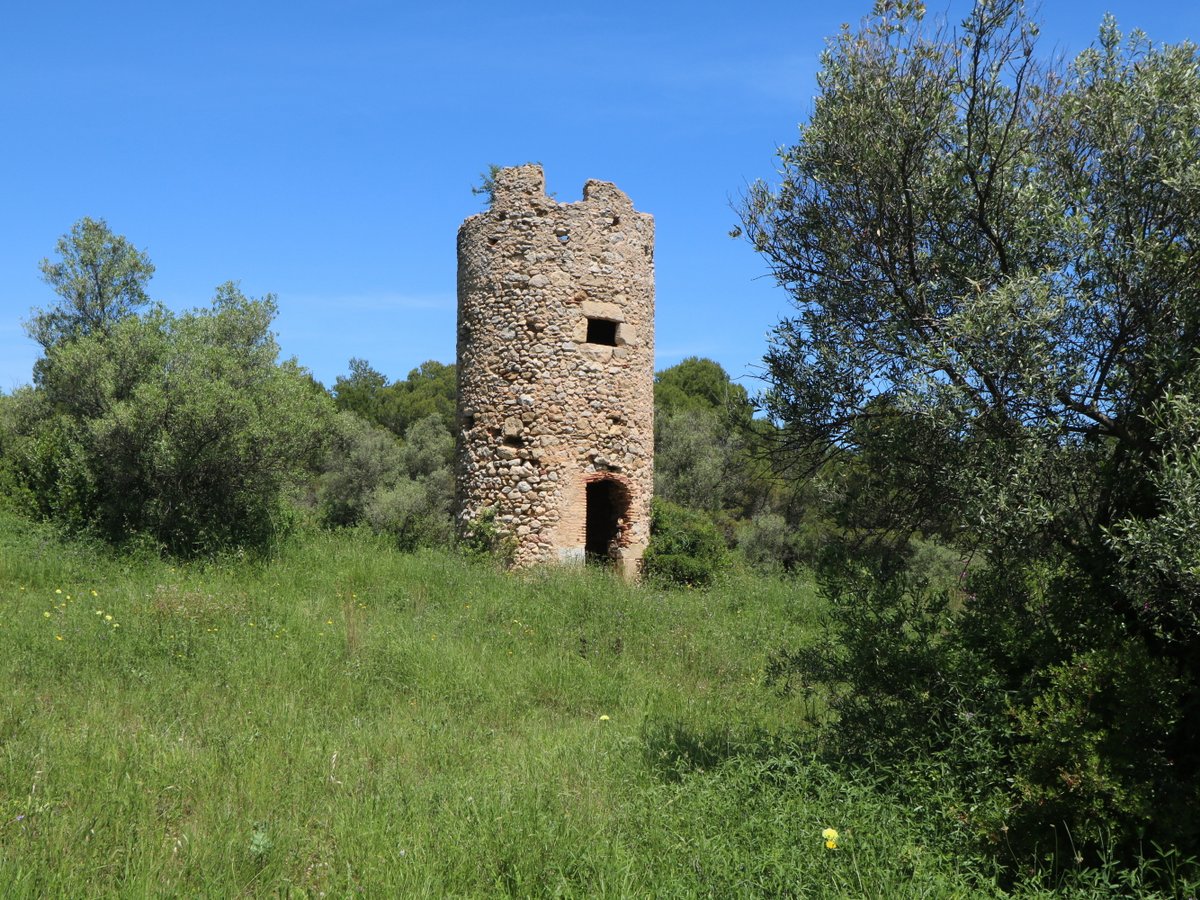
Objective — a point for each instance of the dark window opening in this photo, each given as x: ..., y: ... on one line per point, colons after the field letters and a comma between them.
x: 607, y: 510
x: 514, y: 441
x: 602, y: 331
x: 468, y: 421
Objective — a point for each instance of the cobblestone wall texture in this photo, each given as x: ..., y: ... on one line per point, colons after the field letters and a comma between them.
x: 556, y: 370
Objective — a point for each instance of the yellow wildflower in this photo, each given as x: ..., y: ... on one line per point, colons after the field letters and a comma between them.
x: 831, y: 838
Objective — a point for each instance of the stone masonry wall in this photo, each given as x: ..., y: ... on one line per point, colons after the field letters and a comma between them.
x: 546, y: 407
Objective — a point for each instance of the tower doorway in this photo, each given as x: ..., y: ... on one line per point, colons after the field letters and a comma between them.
x: 607, y: 514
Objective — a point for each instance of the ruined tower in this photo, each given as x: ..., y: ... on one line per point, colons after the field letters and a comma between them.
x: 556, y: 371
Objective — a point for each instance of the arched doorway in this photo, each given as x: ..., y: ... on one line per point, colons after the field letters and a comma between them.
x: 607, y: 514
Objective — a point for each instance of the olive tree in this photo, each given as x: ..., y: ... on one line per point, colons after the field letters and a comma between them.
x: 100, y: 279
x: 993, y: 263
x: 182, y: 431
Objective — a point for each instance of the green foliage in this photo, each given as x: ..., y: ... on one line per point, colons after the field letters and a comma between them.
x: 1082, y: 755
x: 416, y: 508
x: 898, y: 483
x: 361, y: 459
x: 685, y: 547
x: 706, y: 446
x: 416, y: 512
x: 692, y: 459
x: 1035, y: 718
x: 483, y: 538
x: 100, y: 279
x: 1091, y: 733
x: 428, y: 447
x: 180, y: 430
x: 403, y: 489
x: 994, y: 345
x: 698, y: 383
x: 770, y: 544
x: 958, y: 247
x: 428, y: 390
x: 362, y: 392
x: 487, y: 184
x: 1159, y: 556
x: 8, y: 486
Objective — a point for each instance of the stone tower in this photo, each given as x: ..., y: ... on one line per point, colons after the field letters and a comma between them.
x: 556, y: 371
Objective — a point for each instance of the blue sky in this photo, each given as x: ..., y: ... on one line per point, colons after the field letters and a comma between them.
x: 325, y: 151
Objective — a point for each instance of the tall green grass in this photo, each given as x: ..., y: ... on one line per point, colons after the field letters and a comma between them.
x: 346, y: 719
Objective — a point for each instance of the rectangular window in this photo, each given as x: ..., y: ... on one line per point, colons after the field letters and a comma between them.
x: 602, y: 331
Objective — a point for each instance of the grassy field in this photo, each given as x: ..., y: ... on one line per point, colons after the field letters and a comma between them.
x: 347, y: 720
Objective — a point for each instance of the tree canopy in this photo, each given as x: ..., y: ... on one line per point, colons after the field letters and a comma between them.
x: 100, y: 279
x: 993, y: 262
x: 182, y: 431
x: 1002, y: 250
x: 698, y: 383
x: 429, y: 390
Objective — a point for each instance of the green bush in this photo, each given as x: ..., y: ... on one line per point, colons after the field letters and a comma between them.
x: 685, y: 547
x: 768, y: 543
x: 428, y: 448
x: 1092, y: 721
x: 482, y: 537
x: 415, y: 511
x: 362, y: 458
x: 400, y: 489
x: 181, y: 430
x: 1034, y: 719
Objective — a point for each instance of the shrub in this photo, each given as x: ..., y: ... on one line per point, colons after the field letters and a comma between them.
x: 1035, y: 719
x: 400, y: 489
x: 362, y: 458
x: 428, y: 447
x: 181, y: 430
x: 767, y: 542
x: 415, y: 511
x: 482, y: 537
x: 685, y: 547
